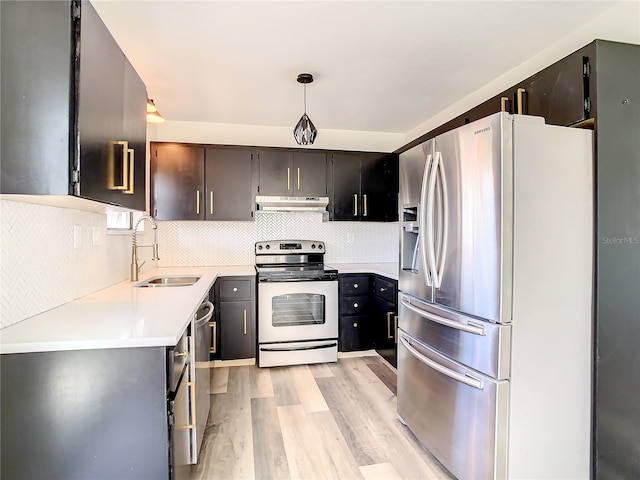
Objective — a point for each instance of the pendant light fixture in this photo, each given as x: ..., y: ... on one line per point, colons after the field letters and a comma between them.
x: 305, y: 132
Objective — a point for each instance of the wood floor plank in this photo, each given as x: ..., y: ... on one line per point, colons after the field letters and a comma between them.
x: 380, y: 471
x: 283, y: 388
x: 270, y: 458
x: 385, y: 374
x: 305, y: 455
x: 227, y: 449
x: 219, y: 379
x: 341, y: 463
x: 308, y: 392
x: 320, y: 370
x: 261, y: 385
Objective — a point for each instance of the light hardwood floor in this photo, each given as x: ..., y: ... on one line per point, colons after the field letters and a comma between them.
x: 310, y: 422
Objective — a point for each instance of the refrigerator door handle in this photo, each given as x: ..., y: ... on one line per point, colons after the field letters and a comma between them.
x: 443, y: 321
x: 472, y: 382
x: 429, y: 224
x: 423, y: 235
x: 444, y: 225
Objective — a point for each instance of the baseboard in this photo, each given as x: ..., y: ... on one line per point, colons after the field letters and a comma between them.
x: 233, y: 363
x: 359, y: 353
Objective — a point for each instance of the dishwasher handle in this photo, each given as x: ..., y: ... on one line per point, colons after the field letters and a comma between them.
x: 203, y: 320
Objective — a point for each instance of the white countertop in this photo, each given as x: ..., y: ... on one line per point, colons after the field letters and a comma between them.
x: 119, y: 316
x: 389, y: 270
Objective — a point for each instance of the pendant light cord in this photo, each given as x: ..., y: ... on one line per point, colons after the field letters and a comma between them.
x: 305, y: 98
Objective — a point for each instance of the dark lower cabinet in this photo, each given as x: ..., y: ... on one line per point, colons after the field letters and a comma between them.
x: 368, y: 314
x: 85, y: 414
x: 384, y: 312
x: 235, y: 317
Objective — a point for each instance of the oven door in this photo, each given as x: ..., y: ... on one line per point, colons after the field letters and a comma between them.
x: 295, y: 311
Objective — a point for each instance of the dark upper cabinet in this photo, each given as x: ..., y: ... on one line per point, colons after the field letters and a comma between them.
x: 228, y: 184
x: 73, y: 108
x: 292, y: 173
x: 177, y: 182
x: 190, y: 182
x: 365, y: 186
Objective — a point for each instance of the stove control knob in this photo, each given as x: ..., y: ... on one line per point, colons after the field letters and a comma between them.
x: 259, y: 247
x: 268, y: 247
x: 320, y: 246
x: 313, y: 245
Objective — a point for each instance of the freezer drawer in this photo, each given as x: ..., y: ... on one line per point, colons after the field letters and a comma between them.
x: 458, y: 414
x: 483, y: 346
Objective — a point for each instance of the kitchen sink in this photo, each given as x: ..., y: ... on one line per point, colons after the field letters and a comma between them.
x: 168, y: 281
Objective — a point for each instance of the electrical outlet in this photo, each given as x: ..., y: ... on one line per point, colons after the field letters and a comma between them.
x: 77, y: 236
x: 351, y: 238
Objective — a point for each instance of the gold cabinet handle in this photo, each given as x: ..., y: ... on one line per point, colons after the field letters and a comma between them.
x: 355, y: 305
x: 298, y: 178
x: 355, y: 285
x: 389, y: 324
x: 355, y: 204
x: 211, y: 202
x: 214, y: 342
x: 235, y: 289
x: 520, y: 95
x: 180, y: 354
x: 130, y: 152
x: 288, y: 178
x: 245, y: 321
x: 503, y: 104
x: 197, y: 202
x: 382, y: 289
x: 364, y: 206
x: 395, y: 327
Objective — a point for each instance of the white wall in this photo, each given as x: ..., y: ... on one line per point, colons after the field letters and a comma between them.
x: 255, y: 135
x: 619, y: 23
x: 41, y: 267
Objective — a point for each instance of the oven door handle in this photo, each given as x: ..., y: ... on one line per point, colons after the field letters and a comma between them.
x: 293, y: 349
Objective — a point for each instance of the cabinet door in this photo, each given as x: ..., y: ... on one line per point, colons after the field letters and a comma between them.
x: 354, y: 334
x: 237, y: 329
x: 178, y: 182
x: 135, y: 132
x: 309, y: 177
x: 557, y: 93
x: 276, y: 172
x: 385, y: 319
x: 379, y: 185
x: 228, y: 184
x: 346, y: 186
x: 103, y: 162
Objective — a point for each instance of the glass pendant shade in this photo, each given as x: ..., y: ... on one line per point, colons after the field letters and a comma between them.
x: 305, y: 131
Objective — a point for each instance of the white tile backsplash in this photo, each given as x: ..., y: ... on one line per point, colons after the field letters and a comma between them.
x: 232, y: 243
x: 50, y: 256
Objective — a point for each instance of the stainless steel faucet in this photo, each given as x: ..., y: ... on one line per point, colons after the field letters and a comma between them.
x: 135, y: 268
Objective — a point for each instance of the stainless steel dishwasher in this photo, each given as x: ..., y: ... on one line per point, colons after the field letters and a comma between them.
x: 201, y: 375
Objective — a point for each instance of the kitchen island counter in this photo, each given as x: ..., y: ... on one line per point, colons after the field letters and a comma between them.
x: 119, y: 316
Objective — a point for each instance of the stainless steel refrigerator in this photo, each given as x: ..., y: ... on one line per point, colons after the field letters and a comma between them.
x: 495, y: 301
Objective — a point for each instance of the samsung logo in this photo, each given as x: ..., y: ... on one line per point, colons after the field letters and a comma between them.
x: 482, y: 130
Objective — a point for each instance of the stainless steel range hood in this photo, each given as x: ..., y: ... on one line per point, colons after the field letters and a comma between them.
x: 270, y: 203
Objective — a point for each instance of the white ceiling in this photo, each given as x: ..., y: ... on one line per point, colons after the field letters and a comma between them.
x: 382, y: 66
